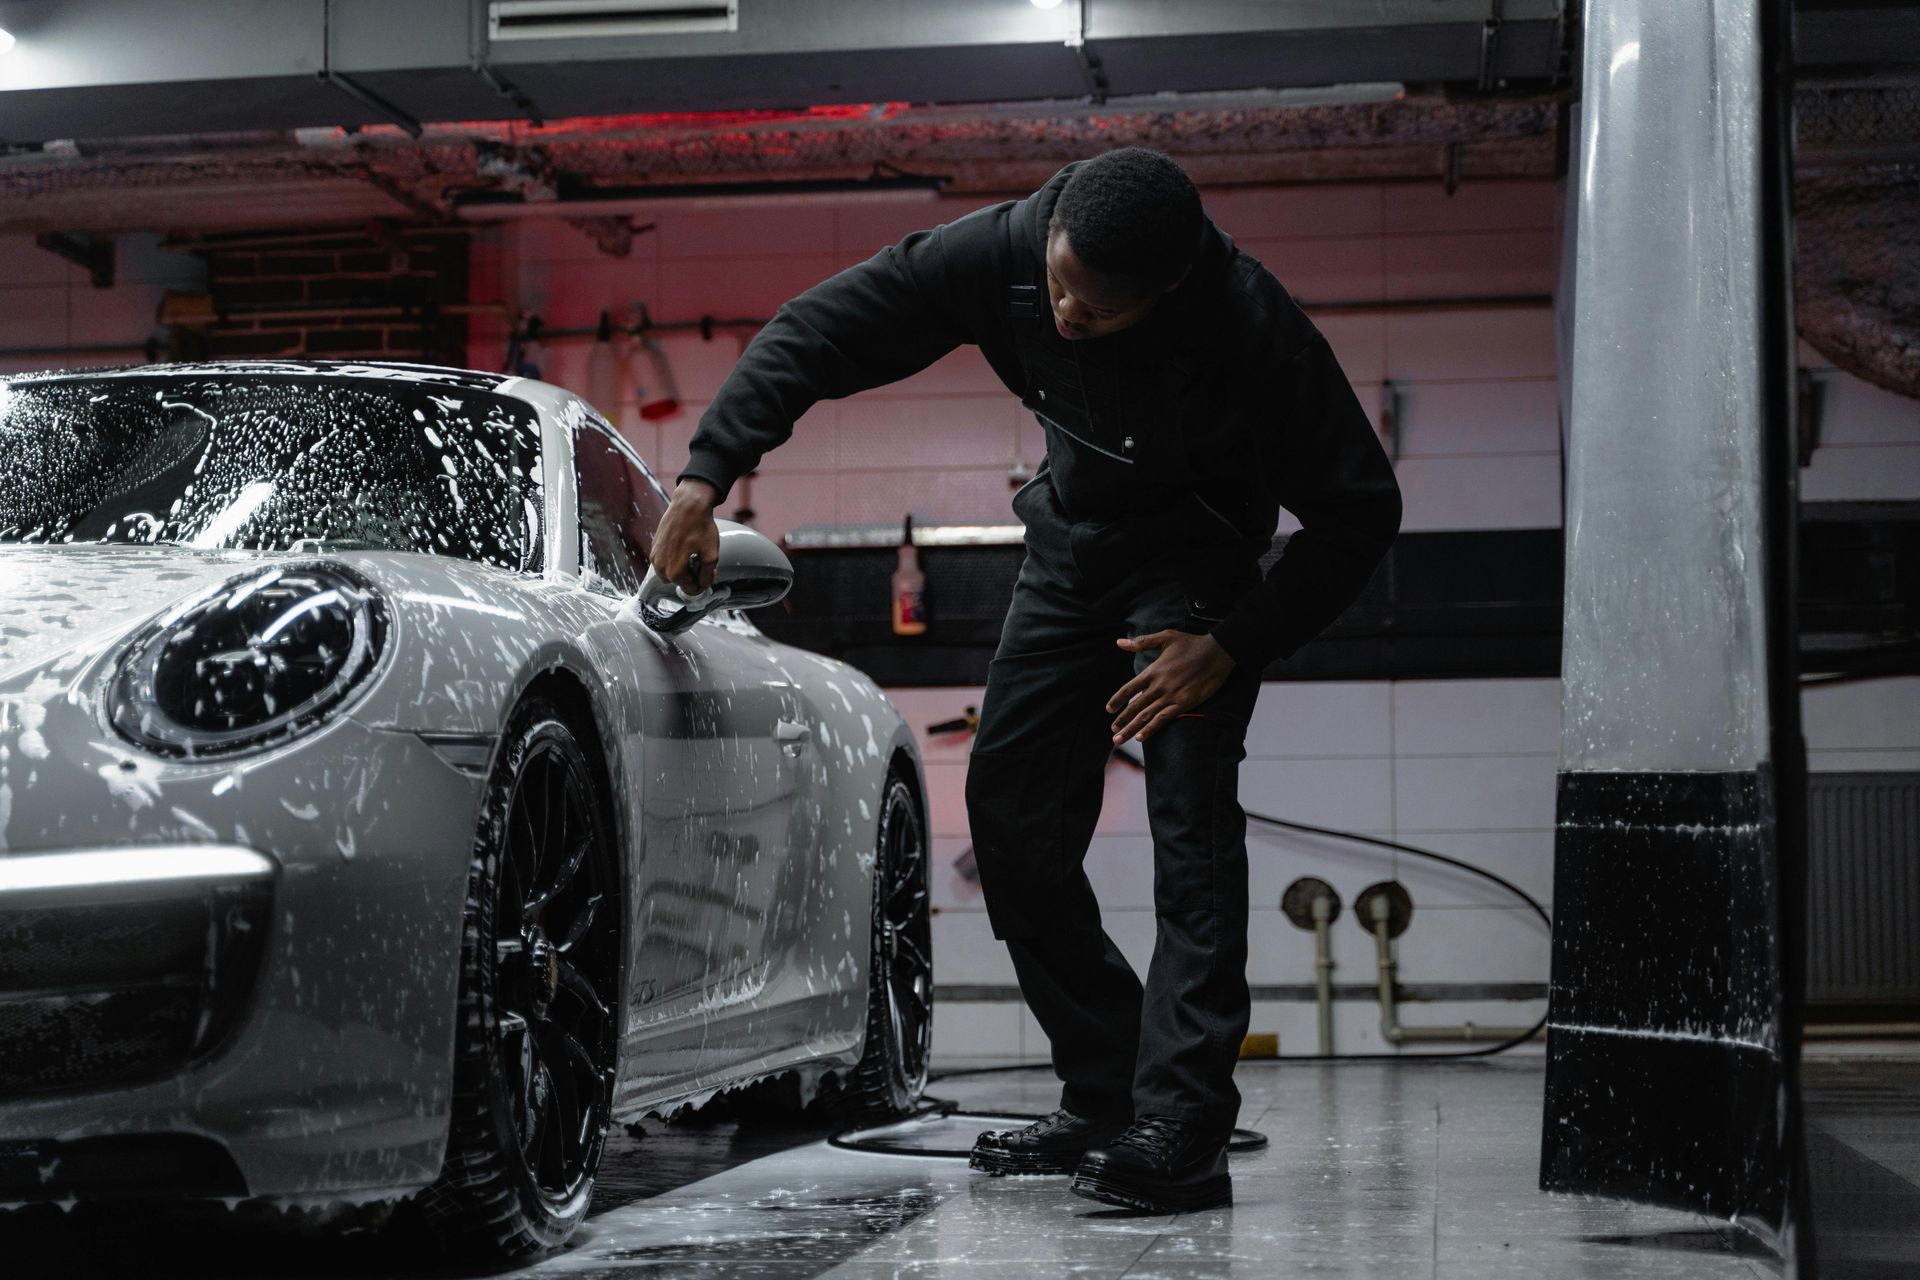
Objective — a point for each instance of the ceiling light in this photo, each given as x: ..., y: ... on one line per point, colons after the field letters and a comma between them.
x: 1046, y: 4
x: 6, y: 39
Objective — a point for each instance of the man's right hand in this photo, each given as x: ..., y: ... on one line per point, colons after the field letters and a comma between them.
x: 686, y: 528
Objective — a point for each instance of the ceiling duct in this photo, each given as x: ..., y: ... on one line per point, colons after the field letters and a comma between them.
x: 512, y: 20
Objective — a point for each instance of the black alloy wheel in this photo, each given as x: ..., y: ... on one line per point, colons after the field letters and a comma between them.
x: 538, y: 1037
x: 893, y: 1070
x: 556, y: 976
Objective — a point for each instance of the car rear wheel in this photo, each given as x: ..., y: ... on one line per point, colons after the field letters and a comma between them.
x: 892, y: 1071
x: 537, y: 1039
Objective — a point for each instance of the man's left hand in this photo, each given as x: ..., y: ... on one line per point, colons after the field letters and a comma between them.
x: 1189, y: 670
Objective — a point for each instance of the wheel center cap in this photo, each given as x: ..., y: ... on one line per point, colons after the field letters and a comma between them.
x: 545, y: 969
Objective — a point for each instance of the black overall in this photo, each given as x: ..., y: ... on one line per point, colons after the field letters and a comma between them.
x: 1034, y: 786
x: 1171, y: 447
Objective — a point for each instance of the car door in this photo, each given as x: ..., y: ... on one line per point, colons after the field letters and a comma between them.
x: 724, y: 765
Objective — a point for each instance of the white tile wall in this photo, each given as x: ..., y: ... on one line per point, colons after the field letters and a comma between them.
x: 1867, y: 715
x: 1478, y: 425
x: 1475, y: 793
x: 1855, y: 760
x: 1523, y: 857
x: 1473, y: 944
x: 1466, y: 768
x: 1854, y: 412
x: 1343, y: 268
x: 1425, y: 208
x: 1885, y: 472
x: 1476, y: 717
x: 1869, y: 440
x: 1321, y: 720
x: 1298, y: 213
x: 947, y: 797
x: 1355, y: 794
x: 919, y: 432
x: 965, y: 951
x: 24, y: 265
x: 1359, y: 342
x: 1491, y: 491
x: 1120, y: 869
x: 1470, y: 346
x: 735, y: 287
x: 46, y: 304
x: 1477, y: 263
x: 976, y: 1034
x: 1456, y: 419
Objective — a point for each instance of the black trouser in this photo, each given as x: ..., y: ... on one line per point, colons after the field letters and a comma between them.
x: 1034, y: 785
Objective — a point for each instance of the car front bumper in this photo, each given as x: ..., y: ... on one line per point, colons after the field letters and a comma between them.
x: 256, y: 963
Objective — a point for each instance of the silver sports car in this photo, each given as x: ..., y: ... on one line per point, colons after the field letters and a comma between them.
x: 374, y: 827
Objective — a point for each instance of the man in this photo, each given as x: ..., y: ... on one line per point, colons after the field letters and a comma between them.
x: 1185, y: 399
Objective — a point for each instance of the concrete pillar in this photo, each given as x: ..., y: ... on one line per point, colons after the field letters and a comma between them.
x: 1673, y: 1039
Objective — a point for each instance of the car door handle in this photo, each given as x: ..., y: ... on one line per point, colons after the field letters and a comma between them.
x: 791, y: 735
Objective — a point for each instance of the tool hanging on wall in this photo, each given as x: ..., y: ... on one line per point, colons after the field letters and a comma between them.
x: 523, y: 347
x: 658, y: 392
x: 605, y: 361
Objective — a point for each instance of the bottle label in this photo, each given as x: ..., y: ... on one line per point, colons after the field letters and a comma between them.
x: 909, y: 611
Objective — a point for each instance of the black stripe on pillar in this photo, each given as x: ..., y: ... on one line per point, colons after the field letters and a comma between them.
x: 1663, y: 1057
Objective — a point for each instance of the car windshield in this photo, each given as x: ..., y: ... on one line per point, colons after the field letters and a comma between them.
x: 271, y: 463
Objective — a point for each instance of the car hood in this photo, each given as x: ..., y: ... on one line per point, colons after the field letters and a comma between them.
x: 61, y: 603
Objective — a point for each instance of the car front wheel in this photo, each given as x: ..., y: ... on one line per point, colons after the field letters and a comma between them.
x: 536, y: 1041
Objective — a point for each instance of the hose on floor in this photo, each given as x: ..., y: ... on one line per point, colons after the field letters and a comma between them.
x: 1243, y: 1140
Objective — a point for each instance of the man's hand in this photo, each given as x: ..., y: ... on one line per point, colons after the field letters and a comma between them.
x: 686, y: 528
x: 1189, y: 670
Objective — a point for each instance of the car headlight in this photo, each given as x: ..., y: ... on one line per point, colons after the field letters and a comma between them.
x: 265, y: 658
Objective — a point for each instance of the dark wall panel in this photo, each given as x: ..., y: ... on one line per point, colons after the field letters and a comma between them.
x: 1465, y: 604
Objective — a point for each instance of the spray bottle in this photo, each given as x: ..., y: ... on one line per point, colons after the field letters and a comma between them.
x: 909, y: 588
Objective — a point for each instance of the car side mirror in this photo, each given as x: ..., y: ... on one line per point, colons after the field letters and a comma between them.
x: 752, y: 572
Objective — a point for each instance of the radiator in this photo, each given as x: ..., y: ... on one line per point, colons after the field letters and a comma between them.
x: 1863, y: 888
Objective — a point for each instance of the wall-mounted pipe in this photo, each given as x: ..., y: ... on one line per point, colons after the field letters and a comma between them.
x: 1323, y: 907
x: 1311, y: 903
x: 1390, y: 1027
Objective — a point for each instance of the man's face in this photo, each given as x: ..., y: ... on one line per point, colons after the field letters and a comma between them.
x: 1086, y: 303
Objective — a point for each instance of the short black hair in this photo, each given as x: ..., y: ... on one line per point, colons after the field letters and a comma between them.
x: 1131, y: 212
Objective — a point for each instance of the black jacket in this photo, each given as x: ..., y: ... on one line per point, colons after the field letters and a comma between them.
x: 1181, y: 436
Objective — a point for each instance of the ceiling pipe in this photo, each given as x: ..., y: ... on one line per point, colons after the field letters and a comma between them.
x: 704, y: 196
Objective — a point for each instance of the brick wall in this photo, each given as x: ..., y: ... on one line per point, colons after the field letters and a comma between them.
x: 375, y: 294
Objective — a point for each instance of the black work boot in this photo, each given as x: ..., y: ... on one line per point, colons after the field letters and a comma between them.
x: 1051, y: 1144
x: 1159, y: 1165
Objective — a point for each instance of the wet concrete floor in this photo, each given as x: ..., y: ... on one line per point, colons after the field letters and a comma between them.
x: 1372, y: 1170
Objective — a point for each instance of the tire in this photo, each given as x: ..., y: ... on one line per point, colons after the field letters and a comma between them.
x: 536, y: 1036
x: 892, y: 1072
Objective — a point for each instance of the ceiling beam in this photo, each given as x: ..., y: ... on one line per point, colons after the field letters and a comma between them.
x: 207, y: 66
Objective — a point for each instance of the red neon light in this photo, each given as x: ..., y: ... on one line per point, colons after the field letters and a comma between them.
x: 828, y: 112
